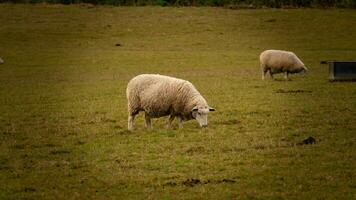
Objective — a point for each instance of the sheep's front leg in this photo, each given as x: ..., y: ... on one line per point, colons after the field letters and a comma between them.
x: 180, y: 122
x: 169, y: 121
x: 286, y: 75
x: 148, y: 121
x: 263, y: 75
x: 130, y: 122
x: 264, y: 71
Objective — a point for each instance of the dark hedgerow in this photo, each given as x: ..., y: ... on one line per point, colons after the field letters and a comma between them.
x: 249, y: 3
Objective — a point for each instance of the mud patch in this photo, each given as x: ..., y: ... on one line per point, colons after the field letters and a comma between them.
x: 226, y: 181
x: 170, y: 184
x: 260, y: 112
x: 48, y: 145
x: 292, y: 91
x: 29, y: 189
x: 62, y: 151
x: 79, y: 142
x: 259, y: 147
x: 191, y: 182
x: 193, y: 150
x: 123, y: 164
x: 107, y: 120
x: 270, y: 20
x: 7, y: 133
x: 309, y: 140
x: 117, y: 127
x: 78, y: 165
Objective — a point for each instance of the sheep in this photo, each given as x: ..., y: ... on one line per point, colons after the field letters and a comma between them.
x: 278, y: 61
x: 159, y: 95
x: 1, y: 61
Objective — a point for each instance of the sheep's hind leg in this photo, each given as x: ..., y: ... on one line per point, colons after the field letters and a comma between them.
x: 271, y: 74
x: 148, y: 121
x: 169, y: 121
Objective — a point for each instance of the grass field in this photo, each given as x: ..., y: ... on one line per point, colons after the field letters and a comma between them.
x: 63, y: 106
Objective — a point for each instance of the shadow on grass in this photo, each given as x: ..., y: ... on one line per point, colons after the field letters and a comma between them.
x: 191, y: 182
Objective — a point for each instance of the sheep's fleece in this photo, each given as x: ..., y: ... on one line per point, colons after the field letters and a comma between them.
x: 159, y: 96
x: 278, y: 61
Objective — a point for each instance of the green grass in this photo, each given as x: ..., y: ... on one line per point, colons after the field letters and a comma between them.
x: 63, y: 106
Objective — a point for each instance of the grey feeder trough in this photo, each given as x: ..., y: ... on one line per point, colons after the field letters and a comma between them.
x: 341, y: 70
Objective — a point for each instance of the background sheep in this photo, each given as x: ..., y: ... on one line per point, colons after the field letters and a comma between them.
x: 159, y: 95
x: 278, y: 61
x: 1, y: 61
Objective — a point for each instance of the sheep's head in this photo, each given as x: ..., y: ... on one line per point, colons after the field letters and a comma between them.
x: 304, y: 71
x: 200, y: 113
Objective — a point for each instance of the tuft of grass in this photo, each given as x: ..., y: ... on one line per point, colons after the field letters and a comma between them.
x: 63, y: 106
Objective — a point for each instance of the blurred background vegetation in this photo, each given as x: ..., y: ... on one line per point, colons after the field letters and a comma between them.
x: 225, y: 3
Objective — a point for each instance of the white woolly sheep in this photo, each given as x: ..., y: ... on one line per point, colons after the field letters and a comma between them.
x: 278, y: 61
x: 159, y: 96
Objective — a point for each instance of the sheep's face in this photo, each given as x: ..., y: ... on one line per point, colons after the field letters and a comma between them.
x: 200, y: 113
x: 304, y: 71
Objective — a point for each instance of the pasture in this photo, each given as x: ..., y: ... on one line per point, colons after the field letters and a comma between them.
x: 63, y: 122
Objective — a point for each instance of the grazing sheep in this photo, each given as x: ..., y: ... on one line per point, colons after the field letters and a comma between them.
x: 159, y: 96
x: 1, y: 61
x: 278, y: 61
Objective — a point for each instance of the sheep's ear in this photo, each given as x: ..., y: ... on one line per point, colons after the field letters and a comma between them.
x: 211, y: 109
x: 195, y: 109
